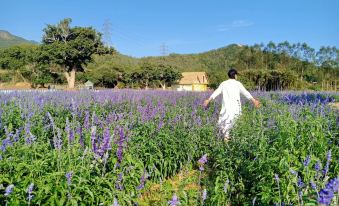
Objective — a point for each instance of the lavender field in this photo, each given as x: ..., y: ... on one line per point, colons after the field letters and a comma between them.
x: 125, y: 147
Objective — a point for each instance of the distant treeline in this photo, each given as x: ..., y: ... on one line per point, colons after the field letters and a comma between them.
x: 74, y: 55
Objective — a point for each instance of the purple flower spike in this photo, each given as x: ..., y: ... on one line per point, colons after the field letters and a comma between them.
x: 203, y: 159
x: 327, y: 194
x: 204, y: 195
x: 276, y: 177
x: 174, y: 201
x: 9, y: 190
x: 115, y: 202
x: 313, y: 185
x: 300, y: 183
x: 226, y: 185
x: 69, y: 176
x: 307, y: 161
x: 29, y: 192
x: 293, y: 172
x: 317, y: 166
x: 328, y: 158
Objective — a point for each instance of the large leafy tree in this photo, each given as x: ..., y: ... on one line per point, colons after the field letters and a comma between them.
x: 70, y: 47
x: 166, y: 75
x: 18, y: 60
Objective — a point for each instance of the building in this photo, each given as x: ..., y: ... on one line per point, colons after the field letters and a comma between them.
x: 192, y: 81
x: 89, y: 85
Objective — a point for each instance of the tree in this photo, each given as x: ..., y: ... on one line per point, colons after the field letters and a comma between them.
x: 166, y: 75
x: 40, y: 75
x: 18, y: 59
x: 71, y: 48
x: 147, y: 74
x: 328, y: 57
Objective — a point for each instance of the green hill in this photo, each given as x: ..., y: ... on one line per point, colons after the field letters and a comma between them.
x: 7, y: 40
x: 261, y: 66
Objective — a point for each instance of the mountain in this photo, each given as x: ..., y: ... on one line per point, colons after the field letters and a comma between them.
x: 7, y: 39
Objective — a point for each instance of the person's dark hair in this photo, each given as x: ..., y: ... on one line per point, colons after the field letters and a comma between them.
x: 231, y: 73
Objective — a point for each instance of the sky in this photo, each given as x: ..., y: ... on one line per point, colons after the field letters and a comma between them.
x: 155, y: 27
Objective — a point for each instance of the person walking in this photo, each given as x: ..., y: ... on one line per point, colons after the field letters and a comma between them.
x: 231, y: 105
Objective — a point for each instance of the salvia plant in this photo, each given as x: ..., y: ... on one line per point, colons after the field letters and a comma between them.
x: 113, y: 147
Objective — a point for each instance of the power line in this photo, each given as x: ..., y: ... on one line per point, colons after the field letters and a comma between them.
x: 163, y: 49
x: 107, y: 31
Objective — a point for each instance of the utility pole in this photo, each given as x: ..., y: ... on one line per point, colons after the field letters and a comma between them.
x: 163, y: 49
x: 107, y: 32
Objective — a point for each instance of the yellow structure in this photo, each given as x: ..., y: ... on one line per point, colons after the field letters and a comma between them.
x: 192, y: 81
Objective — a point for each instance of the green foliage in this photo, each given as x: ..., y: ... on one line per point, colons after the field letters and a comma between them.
x: 274, y: 140
x: 164, y: 134
x: 70, y: 47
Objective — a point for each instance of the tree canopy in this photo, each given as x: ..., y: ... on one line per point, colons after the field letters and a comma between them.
x: 70, y: 47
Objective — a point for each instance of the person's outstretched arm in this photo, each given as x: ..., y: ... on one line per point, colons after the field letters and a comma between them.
x: 216, y: 93
x: 248, y: 95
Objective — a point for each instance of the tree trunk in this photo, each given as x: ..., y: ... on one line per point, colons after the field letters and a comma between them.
x: 70, y: 77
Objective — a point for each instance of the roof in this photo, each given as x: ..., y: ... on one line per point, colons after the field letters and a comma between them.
x: 194, y: 78
x: 89, y: 83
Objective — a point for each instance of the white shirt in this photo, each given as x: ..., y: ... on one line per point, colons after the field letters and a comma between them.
x: 230, y: 90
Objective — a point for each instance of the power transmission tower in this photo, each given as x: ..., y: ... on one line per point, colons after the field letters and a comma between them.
x: 163, y: 49
x: 107, y: 31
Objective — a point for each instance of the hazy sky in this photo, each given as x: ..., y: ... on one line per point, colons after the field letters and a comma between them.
x: 139, y: 27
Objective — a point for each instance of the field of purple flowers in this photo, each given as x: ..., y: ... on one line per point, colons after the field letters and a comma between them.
x: 109, y: 147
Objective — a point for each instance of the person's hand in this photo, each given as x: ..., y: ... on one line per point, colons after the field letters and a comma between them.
x: 206, y: 102
x: 256, y: 103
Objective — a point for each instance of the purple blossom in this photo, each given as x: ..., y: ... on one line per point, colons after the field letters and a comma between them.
x: 71, y: 136
x: 226, y: 185
x: 201, y: 168
x: 313, y: 185
x: 204, y: 195
x: 106, y: 144
x: 326, y: 195
x: 29, y: 192
x: 69, y: 176
x: 79, y: 132
x: 293, y: 172
x: 69, y: 131
x: 120, y: 145
x: 300, y: 183
x: 276, y: 177
x: 307, y: 161
x: 115, y: 202
x: 29, y: 137
x: 93, y: 138
x: 16, y: 135
x: 328, y: 158
x: 51, y: 120
x: 5, y: 143
x: 202, y: 161
x: 9, y: 190
x: 57, y: 141
x: 300, y: 194
x: 160, y: 124
x: 329, y: 155
x: 142, y: 181
x: 174, y: 201
x: 86, y: 120
x: 317, y: 166
x: 8, y: 134
x: 118, y: 183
